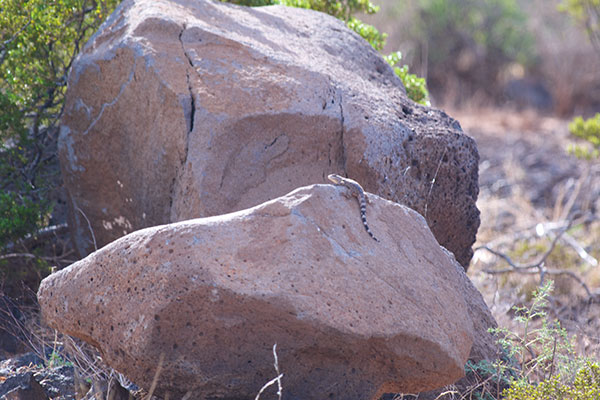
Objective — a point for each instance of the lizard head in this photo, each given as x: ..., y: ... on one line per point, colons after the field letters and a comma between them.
x: 335, y: 178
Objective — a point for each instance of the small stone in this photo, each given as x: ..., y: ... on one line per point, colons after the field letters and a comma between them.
x: 22, y: 387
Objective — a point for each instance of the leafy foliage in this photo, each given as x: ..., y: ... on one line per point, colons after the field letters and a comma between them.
x: 416, y: 88
x: 38, y: 42
x: 587, y: 13
x: 368, y: 32
x: 548, y: 365
x: 465, y: 45
x: 18, y: 216
x: 588, y: 130
x: 585, y: 386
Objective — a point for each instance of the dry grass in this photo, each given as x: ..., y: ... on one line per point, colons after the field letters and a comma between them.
x: 529, y: 191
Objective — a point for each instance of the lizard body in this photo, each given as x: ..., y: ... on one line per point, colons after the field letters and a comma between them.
x: 357, y: 191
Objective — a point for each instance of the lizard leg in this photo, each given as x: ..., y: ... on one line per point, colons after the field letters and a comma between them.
x: 347, y: 193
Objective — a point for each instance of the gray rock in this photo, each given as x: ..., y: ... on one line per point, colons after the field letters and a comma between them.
x: 22, y: 386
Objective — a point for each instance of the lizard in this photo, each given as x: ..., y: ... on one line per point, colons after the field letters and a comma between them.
x: 357, y: 191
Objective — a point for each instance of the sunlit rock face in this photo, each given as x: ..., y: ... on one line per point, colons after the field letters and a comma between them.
x: 185, y: 109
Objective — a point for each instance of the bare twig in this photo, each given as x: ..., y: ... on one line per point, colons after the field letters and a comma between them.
x: 584, y: 255
x: 276, y: 379
x: 89, y: 227
x: 538, y: 266
x: 437, y: 170
x: 38, y: 236
x: 25, y: 255
x: 552, y: 358
x: 161, y: 359
x: 542, y: 271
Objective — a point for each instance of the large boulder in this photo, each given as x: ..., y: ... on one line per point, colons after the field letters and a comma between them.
x: 179, y: 109
x: 206, y: 300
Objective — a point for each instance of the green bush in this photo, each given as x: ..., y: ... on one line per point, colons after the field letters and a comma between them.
x: 493, y: 27
x: 416, y: 88
x: 38, y: 41
x: 585, y: 386
x: 589, y: 131
x: 466, y: 45
x: 548, y: 367
x: 586, y: 13
x: 19, y: 216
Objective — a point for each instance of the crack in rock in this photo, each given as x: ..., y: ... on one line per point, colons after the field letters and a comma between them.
x: 192, y: 113
x: 110, y: 103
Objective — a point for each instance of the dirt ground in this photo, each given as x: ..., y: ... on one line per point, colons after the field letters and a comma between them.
x: 529, y: 184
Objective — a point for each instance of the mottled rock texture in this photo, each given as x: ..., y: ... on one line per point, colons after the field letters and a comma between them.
x: 485, y: 346
x: 352, y: 318
x: 182, y: 109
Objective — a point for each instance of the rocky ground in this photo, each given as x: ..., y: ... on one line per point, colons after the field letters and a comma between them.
x: 529, y: 184
x: 527, y: 181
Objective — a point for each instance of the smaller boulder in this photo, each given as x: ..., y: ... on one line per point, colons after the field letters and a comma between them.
x: 207, y: 299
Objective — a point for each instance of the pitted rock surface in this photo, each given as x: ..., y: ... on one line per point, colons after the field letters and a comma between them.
x: 180, y: 109
x: 352, y: 318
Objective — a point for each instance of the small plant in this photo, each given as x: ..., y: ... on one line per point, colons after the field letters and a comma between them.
x: 416, y: 88
x: 56, y: 360
x: 19, y: 216
x: 587, y: 14
x: 537, y: 363
x: 548, y: 367
x: 585, y: 386
x: 588, y: 130
x: 540, y: 351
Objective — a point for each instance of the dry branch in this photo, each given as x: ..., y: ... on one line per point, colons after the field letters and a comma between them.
x: 538, y: 266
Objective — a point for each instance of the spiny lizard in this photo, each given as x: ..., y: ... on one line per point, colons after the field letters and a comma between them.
x: 357, y: 191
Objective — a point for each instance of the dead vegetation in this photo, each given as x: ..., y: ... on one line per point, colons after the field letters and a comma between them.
x: 540, y: 221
